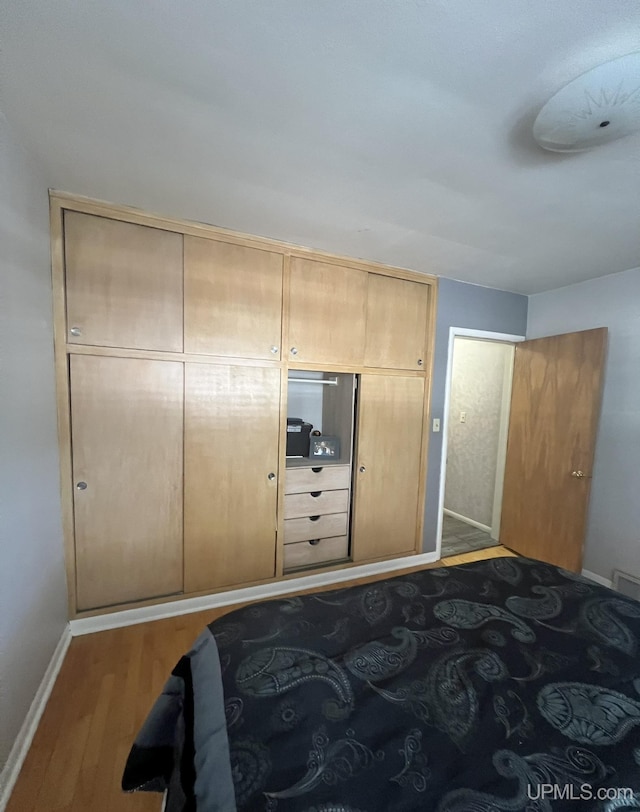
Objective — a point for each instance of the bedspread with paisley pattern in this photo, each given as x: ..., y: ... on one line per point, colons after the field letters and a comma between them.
x: 473, y: 688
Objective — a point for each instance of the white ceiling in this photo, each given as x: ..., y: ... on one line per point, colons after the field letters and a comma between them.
x: 394, y: 130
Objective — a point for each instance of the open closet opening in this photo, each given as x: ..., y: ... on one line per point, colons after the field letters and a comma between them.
x: 319, y: 464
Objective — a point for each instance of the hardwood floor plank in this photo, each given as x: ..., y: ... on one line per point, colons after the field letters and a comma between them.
x: 106, y: 686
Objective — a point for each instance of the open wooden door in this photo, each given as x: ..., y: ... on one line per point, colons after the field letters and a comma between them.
x: 555, y: 404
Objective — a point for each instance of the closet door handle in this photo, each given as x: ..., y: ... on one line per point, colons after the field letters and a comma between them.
x: 75, y: 331
x: 81, y: 486
x: 420, y: 362
x: 274, y: 349
x: 271, y: 476
x: 294, y: 350
x: 362, y: 469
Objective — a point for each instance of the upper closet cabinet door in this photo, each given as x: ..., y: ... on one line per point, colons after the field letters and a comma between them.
x: 327, y: 307
x: 397, y: 314
x: 233, y: 299
x: 124, y: 284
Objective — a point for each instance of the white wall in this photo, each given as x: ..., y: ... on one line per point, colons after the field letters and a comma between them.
x: 32, y: 579
x: 613, y: 530
x: 477, y: 384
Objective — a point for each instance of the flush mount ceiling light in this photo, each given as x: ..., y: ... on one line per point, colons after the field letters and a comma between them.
x: 601, y: 105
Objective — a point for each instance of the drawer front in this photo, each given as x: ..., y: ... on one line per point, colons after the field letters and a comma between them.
x: 304, y: 554
x: 315, y: 527
x: 320, y: 478
x: 315, y: 503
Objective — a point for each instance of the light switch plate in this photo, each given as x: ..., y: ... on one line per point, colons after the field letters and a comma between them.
x: 436, y: 424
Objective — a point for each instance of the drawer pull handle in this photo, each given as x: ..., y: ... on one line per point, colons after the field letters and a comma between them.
x: 313, y: 542
x: 313, y: 518
x: 316, y: 470
x: 315, y: 494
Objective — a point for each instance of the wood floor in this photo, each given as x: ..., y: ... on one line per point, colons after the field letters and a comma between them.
x: 106, y: 686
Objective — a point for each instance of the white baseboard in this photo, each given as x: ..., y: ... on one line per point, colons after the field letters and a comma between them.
x: 130, y: 617
x: 23, y: 741
x: 593, y: 576
x: 464, y: 519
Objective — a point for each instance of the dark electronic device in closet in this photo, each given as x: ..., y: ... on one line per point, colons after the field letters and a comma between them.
x: 298, y: 437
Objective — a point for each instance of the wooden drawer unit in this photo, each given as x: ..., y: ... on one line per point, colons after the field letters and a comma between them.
x: 315, y: 551
x: 315, y: 503
x: 317, y: 478
x: 315, y: 527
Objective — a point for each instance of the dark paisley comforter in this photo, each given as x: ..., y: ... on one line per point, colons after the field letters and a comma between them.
x: 495, y: 686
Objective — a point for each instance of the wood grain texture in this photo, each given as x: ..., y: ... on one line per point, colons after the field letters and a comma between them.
x: 397, y: 315
x: 316, y: 503
x: 316, y: 527
x: 387, y: 496
x: 124, y: 284
x: 317, y: 478
x: 327, y: 313
x: 555, y: 404
x: 127, y: 446
x: 322, y: 551
x: 232, y: 417
x: 78, y: 753
x: 232, y: 299
x: 101, y: 208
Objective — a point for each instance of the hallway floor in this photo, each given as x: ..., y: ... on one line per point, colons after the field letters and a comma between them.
x: 459, y: 537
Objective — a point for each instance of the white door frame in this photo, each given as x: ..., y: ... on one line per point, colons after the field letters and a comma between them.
x: 507, y: 338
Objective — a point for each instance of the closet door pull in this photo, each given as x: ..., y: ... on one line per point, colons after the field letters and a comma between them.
x: 81, y: 486
x: 271, y: 476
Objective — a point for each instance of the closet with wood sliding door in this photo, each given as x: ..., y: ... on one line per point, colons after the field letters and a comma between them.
x: 232, y: 410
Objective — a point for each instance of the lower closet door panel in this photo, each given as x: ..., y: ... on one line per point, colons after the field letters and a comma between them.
x: 231, y: 447
x: 127, y: 430
x: 387, y: 493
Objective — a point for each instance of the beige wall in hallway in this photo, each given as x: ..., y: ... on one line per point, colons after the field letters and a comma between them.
x: 480, y: 369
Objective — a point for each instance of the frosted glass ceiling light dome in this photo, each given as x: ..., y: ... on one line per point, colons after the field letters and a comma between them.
x: 601, y: 105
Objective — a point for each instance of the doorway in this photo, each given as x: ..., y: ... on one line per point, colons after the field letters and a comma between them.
x: 475, y: 428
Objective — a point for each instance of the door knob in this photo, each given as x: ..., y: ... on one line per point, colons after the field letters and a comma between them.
x: 271, y: 476
x: 81, y: 486
x: 578, y: 474
x: 362, y: 469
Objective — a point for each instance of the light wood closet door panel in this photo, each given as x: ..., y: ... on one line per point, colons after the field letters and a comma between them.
x: 127, y: 429
x: 327, y: 308
x: 397, y: 311
x: 124, y: 284
x: 387, y: 496
x: 231, y: 446
x: 232, y: 299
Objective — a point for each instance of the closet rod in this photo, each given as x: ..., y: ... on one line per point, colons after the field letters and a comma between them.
x: 323, y: 382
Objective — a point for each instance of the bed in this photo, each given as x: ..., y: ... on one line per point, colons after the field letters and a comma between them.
x: 501, y: 685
